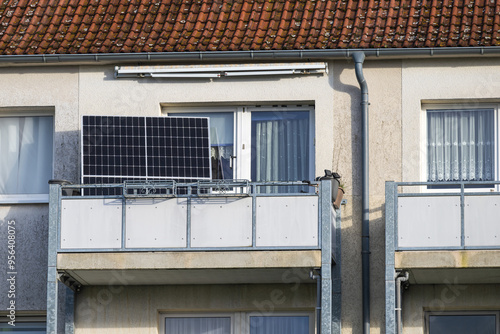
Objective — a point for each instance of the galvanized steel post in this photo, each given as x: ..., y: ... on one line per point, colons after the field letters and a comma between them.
x: 326, y: 256
x: 52, y: 285
x: 390, y: 289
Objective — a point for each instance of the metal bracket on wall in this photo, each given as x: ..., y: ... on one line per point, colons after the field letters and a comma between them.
x: 69, y: 281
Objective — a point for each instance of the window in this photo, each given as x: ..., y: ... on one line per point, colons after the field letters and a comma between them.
x: 259, y: 143
x: 221, y: 142
x: 237, y: 323
x: 26, y: 145
x: 198, y: 325
x: 279, y: 324
x: 462, y: 322
x: 23, y: 325
x: 461, y: 145
x: 280, y: 146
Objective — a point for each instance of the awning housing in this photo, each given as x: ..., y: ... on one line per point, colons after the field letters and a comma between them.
x: 217, y: 71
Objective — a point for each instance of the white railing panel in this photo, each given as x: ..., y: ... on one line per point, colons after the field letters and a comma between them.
x: 91, y: 223
x: 287, y: 221
x: 156, y: 223
x: 430, y: 221
x: 482, y: 221
x: 221, y: 222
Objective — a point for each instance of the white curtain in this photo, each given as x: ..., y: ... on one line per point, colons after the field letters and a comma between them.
x: 280, y: 146
x: 461, y: 145
x: 195, y: 325
x: 26, y: 147
x: 279, y: 325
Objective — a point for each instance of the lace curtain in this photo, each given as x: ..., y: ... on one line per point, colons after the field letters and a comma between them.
x: 460, y: 145
x: 26, y: 146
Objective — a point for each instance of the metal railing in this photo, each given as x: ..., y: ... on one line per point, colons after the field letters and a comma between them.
x: 464, y: 206
x: 193, y: 194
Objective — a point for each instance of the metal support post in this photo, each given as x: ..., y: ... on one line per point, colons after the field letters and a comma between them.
x: 390, y: 290
x: 52, y: 285
x: 326, y: 257
x: 336, y: 277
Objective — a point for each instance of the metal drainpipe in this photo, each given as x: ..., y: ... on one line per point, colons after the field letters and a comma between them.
x: 359, y: 58
x: 399, y: 297
x: 318, y: 299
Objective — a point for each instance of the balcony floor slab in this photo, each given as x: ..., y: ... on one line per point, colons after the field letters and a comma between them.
x: 151, y: 268
x: 450, y: 266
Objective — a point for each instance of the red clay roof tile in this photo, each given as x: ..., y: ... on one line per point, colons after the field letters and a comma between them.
x: 83, y: 26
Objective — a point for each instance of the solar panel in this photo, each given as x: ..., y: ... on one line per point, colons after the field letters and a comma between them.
x: 123, y: 148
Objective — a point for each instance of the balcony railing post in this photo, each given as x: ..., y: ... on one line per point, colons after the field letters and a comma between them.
x: 124, y: 223
x: 253, y: 193
x: 462, y: 215
x: 189, y: 204
x: 390, y: 244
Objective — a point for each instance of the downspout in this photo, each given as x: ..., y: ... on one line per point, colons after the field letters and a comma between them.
x: 359, y: 58
x: 399, y: 319
x: 318, y: 299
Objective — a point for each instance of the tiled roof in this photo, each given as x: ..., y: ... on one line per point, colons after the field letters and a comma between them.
x: 132, y: 26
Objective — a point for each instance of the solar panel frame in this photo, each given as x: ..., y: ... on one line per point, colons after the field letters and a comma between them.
x: 136, y: 148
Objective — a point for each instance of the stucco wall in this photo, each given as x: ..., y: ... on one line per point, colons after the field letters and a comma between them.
x: 384, y: 86
x: 36, y: 89
x: 136, y: 309
x: 449, y: 296
x: 466, y: 81
x: 101, y: 94
x: 397, y: 89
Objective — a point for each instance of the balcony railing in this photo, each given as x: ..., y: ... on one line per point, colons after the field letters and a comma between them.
x: 463, y: 217
x: 170, y: 216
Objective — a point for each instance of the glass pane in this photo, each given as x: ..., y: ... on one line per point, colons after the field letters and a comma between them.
x: 207, y: 325
x: 280, y: 147
x: 279, y: 325
x: 462, y: 324
x: 460, y: 145
x: 26, y: 144
x: 221, y: 141
x: 24, y: 328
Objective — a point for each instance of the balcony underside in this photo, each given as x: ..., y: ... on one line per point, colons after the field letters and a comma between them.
x: 156, y: 268
x: 450, y: 266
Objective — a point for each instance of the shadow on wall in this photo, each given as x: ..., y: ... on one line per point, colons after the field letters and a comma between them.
x: 351, y: 134
x: 24, y: 228
x: 350, y: 114
x: 67, y: 155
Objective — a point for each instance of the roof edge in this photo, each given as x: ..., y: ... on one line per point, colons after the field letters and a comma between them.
x: 208, y: 56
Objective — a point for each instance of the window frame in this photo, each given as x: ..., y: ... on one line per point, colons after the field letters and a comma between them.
x: 240, y: 320
x: 424, y: 136
x: 30, y: 112
x: 164, y: 315
x: 23, y: 319
x: 242, y: 129
x: 312, y: 318
x: 461, y: 313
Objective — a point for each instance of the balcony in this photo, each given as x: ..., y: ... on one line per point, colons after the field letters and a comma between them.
x: 437, y: 234
x: 224, y: 232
